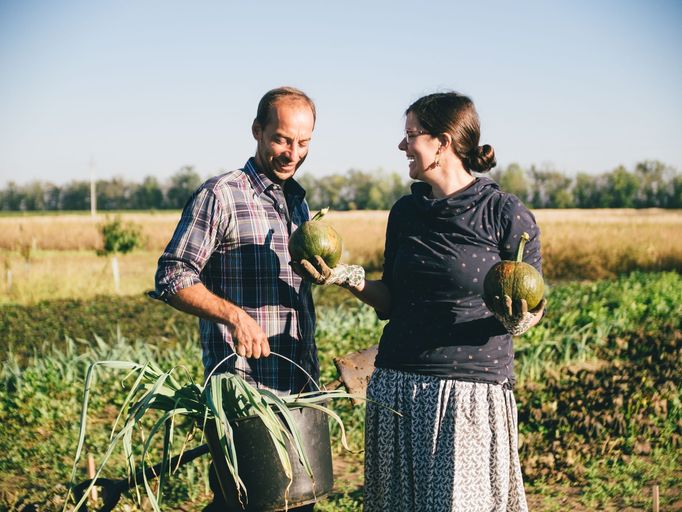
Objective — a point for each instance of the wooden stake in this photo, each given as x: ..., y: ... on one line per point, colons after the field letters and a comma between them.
x: 116, y: 273
x: 93, y: 193
x: 91, y: 474
x: 656, y: 504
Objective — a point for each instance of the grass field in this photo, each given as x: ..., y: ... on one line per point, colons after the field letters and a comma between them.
x: 600, y: 406
x: 50, y: 257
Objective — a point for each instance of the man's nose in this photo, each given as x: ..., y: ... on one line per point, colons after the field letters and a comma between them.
x: 294, y: 152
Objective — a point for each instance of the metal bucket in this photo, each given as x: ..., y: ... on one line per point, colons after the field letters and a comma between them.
x: 261, y: 470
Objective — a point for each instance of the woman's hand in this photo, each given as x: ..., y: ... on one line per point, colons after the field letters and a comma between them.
x: 317, y: 271
x: 515, y: 316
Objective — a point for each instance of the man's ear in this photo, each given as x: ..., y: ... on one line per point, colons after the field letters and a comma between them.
x: 256, y: 129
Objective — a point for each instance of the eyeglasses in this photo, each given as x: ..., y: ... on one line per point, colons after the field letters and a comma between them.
x: 412, y: 135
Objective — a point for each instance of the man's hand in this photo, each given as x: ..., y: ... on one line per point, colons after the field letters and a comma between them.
x: 514, y: 316
x: 317, y: 271
x: 249, y: 338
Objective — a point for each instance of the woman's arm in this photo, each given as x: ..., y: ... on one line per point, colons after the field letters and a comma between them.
x: 350, y: 277
x: 373, y: 293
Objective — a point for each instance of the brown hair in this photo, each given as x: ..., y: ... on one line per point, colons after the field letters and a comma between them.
x: 454, y: 113
x: 273, y: 96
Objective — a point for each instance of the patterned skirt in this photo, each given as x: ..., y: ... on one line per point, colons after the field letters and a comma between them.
x: 454, y: 448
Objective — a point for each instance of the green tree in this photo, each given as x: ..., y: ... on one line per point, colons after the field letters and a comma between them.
x: 52, y: 194
x: 357, y: 190
x: 359, y: 187
x: 75, y: 196
x: 620, y: 188
x: 334, y: 192
x: 653, y: 183
x: 148, y: 195
x: 674, y: 199
x: 396, y: 187
x: 551, y: 189
x: 513, y: 180
x: 182, y: 184
x: 33, y: 197
x: 586, y: 191
x: 114, y: 194
x: 11, y: 197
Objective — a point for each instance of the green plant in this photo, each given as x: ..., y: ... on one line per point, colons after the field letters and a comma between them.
x: 315, y: 238
x: 41, y: 383
x: 629, y: 483
x: 119, y: 238
x: 225, y: 398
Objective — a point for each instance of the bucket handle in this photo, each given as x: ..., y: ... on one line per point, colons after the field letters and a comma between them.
x: 233, y: 354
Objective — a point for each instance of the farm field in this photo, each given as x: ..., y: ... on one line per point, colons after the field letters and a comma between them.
x: 600, y: 405
x: 54, y: 256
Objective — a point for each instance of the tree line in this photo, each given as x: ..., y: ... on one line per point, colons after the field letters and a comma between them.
x: 650, y: 184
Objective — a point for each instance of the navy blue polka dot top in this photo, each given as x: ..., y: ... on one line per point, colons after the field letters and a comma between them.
x: 437, y: 254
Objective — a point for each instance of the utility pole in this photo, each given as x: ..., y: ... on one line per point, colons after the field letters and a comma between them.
x: 93, y: 192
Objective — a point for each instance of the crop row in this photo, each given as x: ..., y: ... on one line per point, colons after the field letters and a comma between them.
x: 597, y: 390
x: 580, y: 316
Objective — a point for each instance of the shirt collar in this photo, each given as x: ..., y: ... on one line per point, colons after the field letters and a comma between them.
x: 260, y: 182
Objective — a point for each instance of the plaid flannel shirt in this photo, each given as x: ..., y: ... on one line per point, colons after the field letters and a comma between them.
x: 233, y: 237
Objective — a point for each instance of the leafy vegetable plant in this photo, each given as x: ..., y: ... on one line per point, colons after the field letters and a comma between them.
x: 170, y: 396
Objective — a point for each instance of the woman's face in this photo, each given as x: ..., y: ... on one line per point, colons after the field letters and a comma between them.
x: 419, y: 146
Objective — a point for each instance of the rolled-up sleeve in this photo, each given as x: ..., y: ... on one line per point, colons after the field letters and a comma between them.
x: 201, y: 226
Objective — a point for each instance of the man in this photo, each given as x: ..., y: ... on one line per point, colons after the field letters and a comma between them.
x: 228, y: 261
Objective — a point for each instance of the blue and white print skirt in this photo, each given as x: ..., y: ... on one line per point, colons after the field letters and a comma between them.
x: 454, y: 449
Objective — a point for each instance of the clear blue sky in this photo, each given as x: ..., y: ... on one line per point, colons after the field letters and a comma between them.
x: 145, y: 87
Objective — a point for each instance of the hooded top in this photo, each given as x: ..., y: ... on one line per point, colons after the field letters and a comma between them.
x: 437, y: 254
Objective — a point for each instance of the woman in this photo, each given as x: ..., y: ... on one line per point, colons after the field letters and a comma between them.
x: 444, y: 360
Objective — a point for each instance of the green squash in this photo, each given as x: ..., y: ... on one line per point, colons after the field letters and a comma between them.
x: 316, y: 238
x: 517, y: 279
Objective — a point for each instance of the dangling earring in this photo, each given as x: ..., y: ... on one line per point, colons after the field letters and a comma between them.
x: 436, y: 161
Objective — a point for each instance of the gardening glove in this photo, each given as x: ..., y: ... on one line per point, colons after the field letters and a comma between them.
x: 348, y: 276
x: 517, y: 320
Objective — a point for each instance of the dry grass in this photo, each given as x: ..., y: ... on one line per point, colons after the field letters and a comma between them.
x: 51, y: 275
x: 79, y: 232
x: 363, y: 234
x: 595, y: 244
x: 54, y: 256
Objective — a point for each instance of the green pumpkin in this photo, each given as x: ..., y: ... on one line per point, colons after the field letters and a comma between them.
x: 517, y: 279
x: 316, y: 238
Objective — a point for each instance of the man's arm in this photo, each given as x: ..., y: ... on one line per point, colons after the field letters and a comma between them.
x: 204, y: 221
x: 249, y: 338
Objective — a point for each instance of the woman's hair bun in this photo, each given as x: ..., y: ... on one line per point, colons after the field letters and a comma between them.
x: 482, y: 159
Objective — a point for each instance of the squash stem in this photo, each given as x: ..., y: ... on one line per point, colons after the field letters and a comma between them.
x: 522, y: 245
x: 321, y: 213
